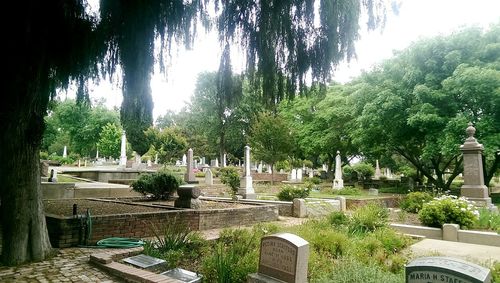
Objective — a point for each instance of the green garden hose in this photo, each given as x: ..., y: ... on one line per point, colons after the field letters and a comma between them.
x: 116, y: 242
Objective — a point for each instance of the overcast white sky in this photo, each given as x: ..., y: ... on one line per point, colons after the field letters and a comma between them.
x: 417, y: 18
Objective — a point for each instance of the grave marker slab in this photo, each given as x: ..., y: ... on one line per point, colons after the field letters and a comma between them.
x: 183, y: 275
x: 284, y: 256
x: 146, y: 262
x: 445, y: 269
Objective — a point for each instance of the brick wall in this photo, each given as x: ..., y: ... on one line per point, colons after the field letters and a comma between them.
x: 66, y: 231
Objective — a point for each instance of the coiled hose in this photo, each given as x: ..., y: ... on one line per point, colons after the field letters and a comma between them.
x: 113, y: 242
x: 117, y: 242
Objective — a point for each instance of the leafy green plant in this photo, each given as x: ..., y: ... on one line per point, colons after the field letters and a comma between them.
x: 414, y: 201
x: 448, y: 209
x: 364, y: 170
x: 235, y: 255
x: 350, y: 270
x: 368, y: 218
x: 488, y: 219
x: 173, y: 242
x: 159, y: 185
x: 347, y: 191
x: 229, y: 176
x: 289, y: 192
x: 338, y: 218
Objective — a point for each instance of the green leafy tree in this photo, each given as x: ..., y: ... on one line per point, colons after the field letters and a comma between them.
x: 169, y: 143
x: 110, y: 140
x: 271, y: 140
x: 417, y: 105
x: 53, y: 43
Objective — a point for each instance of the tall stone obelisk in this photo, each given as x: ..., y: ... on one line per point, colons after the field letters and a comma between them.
x: 246, y: 186
x: 189, y: 177
x: 474, y: 188
x: 123, y: 151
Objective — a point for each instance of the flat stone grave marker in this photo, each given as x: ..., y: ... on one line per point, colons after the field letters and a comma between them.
x: 283, y: 256
x: 146, y: 262
x: 183, y: 275
x: 445, y: 269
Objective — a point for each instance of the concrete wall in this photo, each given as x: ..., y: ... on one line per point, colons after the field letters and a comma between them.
x: 451, y: 233
x: 105, y: 176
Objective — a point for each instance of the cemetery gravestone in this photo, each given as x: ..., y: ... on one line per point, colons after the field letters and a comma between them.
x: 246, y: 183
x: 189, y: 177
x: 146, y: 262
x: 474, y: 188
x: 377, y: 170
x: 123, y: 150
x: 209, y: 178
x: 283, y: 257
x: 338, y: 182
x: 445, y: 269
x: 299, y: 175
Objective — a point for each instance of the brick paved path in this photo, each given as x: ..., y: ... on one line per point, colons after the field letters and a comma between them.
x: 70, y: 265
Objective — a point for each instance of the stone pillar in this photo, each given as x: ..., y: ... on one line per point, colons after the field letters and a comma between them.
x: 123, y: 151
x: 338, y: 182
x: 156, y: 158
x: 377, y: 170
x: 97, y: 155
x: 259, y: 168
x: 224, y: 160
x: 184, y: 160
x: 189, y: 177
x: 65, y: 154
x: 246, y: 186
x: 474, y: 188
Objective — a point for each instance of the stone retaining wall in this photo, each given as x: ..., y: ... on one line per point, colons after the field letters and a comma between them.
x: 67, y: 232
x: 385, y: 201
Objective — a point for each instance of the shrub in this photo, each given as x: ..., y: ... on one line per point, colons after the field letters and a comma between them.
x: 348, y: 173
x: 159, y: 185
x: 174, y: 242
x: 229, y: 176
x: 408, y: 171
x: 338, y: 218
x: 315, y: 180
x: 347, y: 191
x: 350, y: 270
x: 368, y: 218
x: 200, y: 174
x: 448, y: 209
x: 364, y: 170
x: 288, y: 193
x: 44, y: 155
x: 414, y: 201
x: 236, y: 254
x: 488, y: 219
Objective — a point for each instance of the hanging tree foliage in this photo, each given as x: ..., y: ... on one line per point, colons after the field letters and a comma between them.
x: 51, y: 43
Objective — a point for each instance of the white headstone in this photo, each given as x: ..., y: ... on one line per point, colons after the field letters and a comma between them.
x: 259, y: 168
x: 150, y: 163
x: 78, y: 162
x: 97, y: 155
x: 216, y: 162
x: 311, y: 174
x: 184, y: 160
x: 65, y: 154
x: 325, y: 168
x: 246, y: 184
x: 123, y: 150
x: 269, y: 169
x: 85, y: 163
x: 156, y: 158
x: 338, y: 182
x: 209, y: 178
x: 299, y: 175
x: 377, y: 170
x: 293, y: 176
x: 224, y: 161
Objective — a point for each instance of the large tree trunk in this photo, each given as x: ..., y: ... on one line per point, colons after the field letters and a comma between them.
x: 24, y: 230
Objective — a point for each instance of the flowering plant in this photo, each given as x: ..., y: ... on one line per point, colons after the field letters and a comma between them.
x: 448, y: 209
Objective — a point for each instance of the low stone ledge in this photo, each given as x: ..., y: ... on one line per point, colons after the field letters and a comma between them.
x: 107, y: 261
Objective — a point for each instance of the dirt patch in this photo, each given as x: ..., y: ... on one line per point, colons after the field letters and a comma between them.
x: 107, y: 207
x: 401, y: 217
x: 65, y: 207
